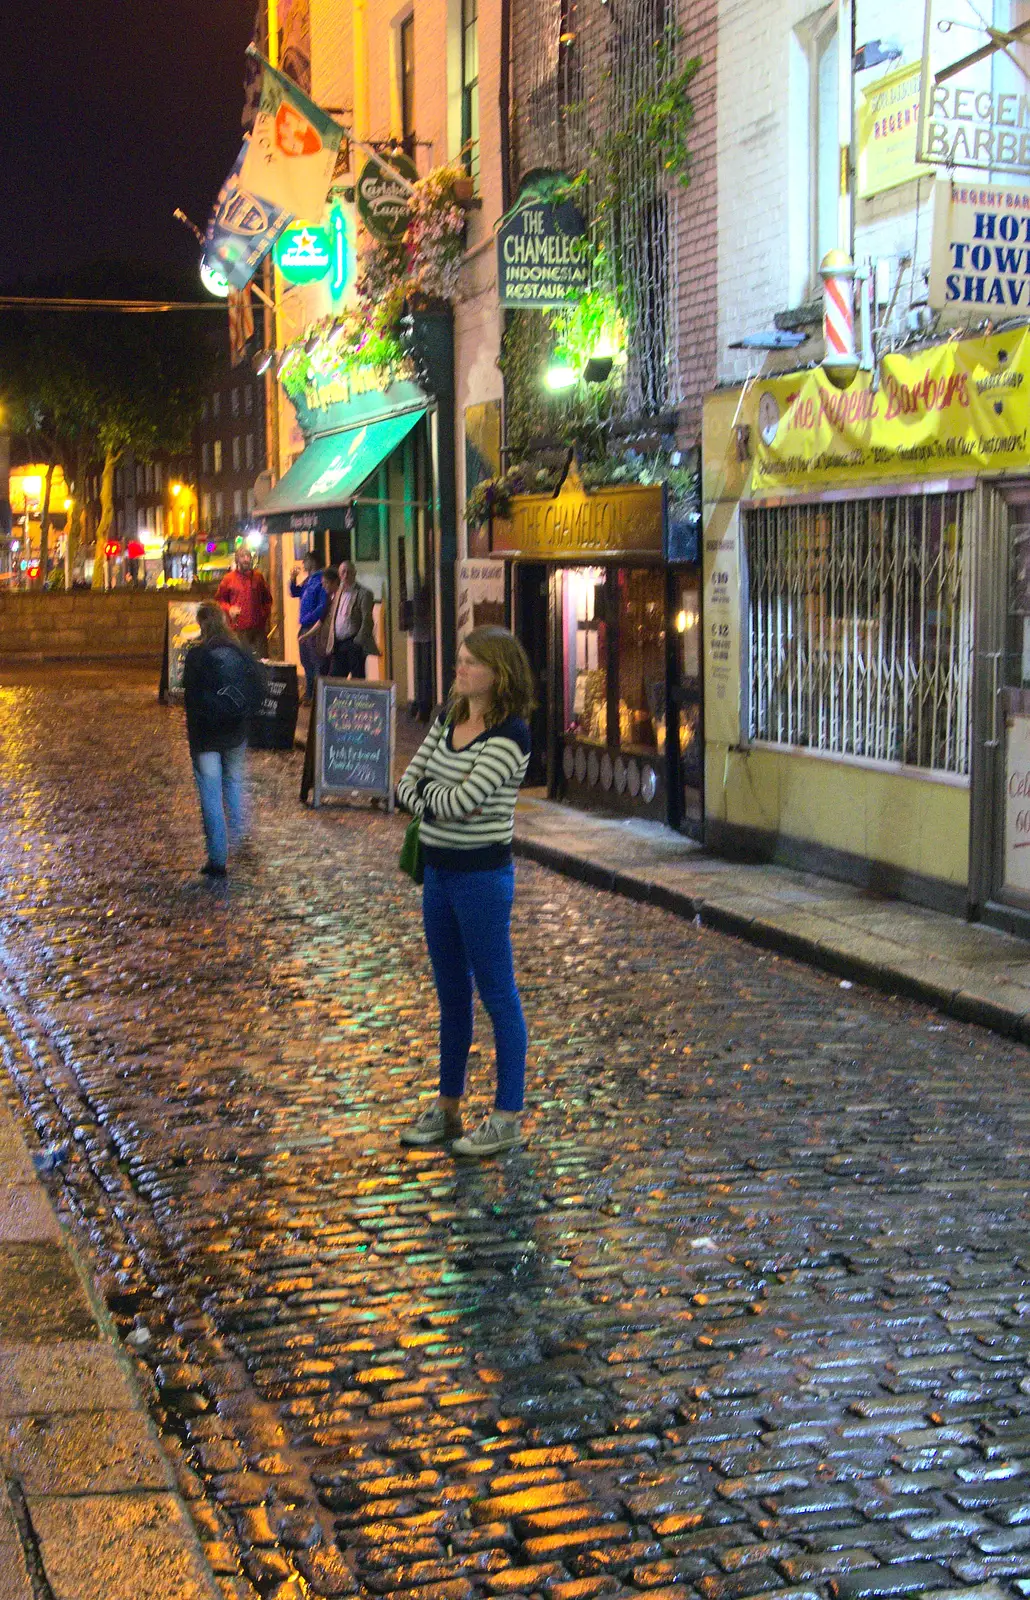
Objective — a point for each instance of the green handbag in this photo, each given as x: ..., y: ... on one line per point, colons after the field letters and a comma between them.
x: 412, y: 860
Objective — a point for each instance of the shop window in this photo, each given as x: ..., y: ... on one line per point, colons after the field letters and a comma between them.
x: 641, y: 659
x: 470, y: 84
x: 860, y: 628
x: 585, y: 638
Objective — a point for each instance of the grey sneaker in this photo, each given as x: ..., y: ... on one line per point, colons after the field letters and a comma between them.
x: 494, y: 1134
x: 434, y: 1126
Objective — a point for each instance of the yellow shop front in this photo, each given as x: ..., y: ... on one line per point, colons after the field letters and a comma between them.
x: 866, y: 572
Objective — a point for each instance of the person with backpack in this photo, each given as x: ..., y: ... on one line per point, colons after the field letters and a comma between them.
x: 222, y: 689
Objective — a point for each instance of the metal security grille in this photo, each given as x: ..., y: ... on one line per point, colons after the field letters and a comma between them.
x: 860, y: 628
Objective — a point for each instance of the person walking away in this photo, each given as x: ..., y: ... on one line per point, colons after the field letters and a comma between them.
x: 246, y: 599
x: 463, y: 783
x: 353, y: 631
x: 306, y: 586
x: 222, y: 688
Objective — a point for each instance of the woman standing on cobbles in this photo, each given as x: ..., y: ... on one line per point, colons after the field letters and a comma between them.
x: 463, y: 783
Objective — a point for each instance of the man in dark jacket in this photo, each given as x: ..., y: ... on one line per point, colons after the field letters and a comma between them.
x: 222, y: 687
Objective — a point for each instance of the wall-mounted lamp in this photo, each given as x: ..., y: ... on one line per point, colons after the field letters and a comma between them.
x: 560, y: 374
x: 598, y: 368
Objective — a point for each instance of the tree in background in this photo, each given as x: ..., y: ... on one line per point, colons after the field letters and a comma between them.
x: 83, y: 387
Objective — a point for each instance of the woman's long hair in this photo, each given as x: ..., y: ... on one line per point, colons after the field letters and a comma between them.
x: 211, y: 621
x: 512, y: 691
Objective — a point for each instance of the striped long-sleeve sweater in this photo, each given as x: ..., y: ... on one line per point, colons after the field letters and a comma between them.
x: 466, y: 798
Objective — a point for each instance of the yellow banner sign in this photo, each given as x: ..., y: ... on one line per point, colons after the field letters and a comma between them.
x: 887, y: 117
x: 956, y: 408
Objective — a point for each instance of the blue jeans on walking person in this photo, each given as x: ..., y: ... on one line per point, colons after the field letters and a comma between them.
x: 311, y: 661
x: 219, y: 775
x: 467, y: 917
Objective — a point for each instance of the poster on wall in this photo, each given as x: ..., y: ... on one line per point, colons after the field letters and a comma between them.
x: 480, y: 596
x: 887, y: 118
x: 981, y: 249
x: 1017, y: 804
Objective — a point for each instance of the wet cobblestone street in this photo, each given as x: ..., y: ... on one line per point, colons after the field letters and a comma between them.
x: 749, y: 1313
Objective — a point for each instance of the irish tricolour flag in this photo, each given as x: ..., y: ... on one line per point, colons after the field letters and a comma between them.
x: 293, y: 148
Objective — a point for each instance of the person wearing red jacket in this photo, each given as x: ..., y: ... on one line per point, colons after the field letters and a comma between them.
x: 246, y: 599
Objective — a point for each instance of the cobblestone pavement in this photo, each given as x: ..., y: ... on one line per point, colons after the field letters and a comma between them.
x: 749, y: 1314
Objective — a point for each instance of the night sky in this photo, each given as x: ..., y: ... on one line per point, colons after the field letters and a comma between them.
x: 115, y: 112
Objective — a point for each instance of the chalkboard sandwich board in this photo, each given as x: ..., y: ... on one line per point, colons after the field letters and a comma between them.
x: 355, y: 730
x: 275, y: 722
x: 181, y: 630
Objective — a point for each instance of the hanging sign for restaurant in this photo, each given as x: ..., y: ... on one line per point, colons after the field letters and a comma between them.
x: 956, y: 408
x: 382, y: 200
x: 575, y: 522
x: 543, y: 255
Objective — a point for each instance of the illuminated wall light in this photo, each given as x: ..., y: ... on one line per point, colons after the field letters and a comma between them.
x: 561, y: 374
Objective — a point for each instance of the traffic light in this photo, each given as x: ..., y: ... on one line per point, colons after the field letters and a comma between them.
x: 112, y: 548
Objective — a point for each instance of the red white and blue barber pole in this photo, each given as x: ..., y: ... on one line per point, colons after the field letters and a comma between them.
x: 840, y: 361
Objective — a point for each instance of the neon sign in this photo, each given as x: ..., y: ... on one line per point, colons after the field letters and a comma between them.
x: 303, y: 253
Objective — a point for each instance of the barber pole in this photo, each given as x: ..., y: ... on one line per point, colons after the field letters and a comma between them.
x: 840, y: 361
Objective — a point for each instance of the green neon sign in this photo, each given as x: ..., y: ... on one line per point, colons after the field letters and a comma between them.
x: 304, y: 253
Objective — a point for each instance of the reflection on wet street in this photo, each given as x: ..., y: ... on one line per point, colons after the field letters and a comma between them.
x: 749, y: 1313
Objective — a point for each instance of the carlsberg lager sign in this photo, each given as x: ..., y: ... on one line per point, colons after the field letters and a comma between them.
x: 543, y: 255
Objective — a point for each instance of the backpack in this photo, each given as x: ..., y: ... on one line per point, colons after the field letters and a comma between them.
x: 230, y: 687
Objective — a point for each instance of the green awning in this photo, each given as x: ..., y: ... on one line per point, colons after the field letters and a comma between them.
x: 335, y: 465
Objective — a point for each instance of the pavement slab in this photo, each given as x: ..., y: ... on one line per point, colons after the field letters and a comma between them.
x: 119, y: 1547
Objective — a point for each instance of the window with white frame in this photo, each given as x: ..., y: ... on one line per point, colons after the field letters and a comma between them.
x: 859, y: 628
x: 815, y: 149
x: 406, y: 45
x: 470, y: 84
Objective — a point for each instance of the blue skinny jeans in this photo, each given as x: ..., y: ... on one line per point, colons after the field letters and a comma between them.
x: 219, y: 776
x: 467, y: 917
